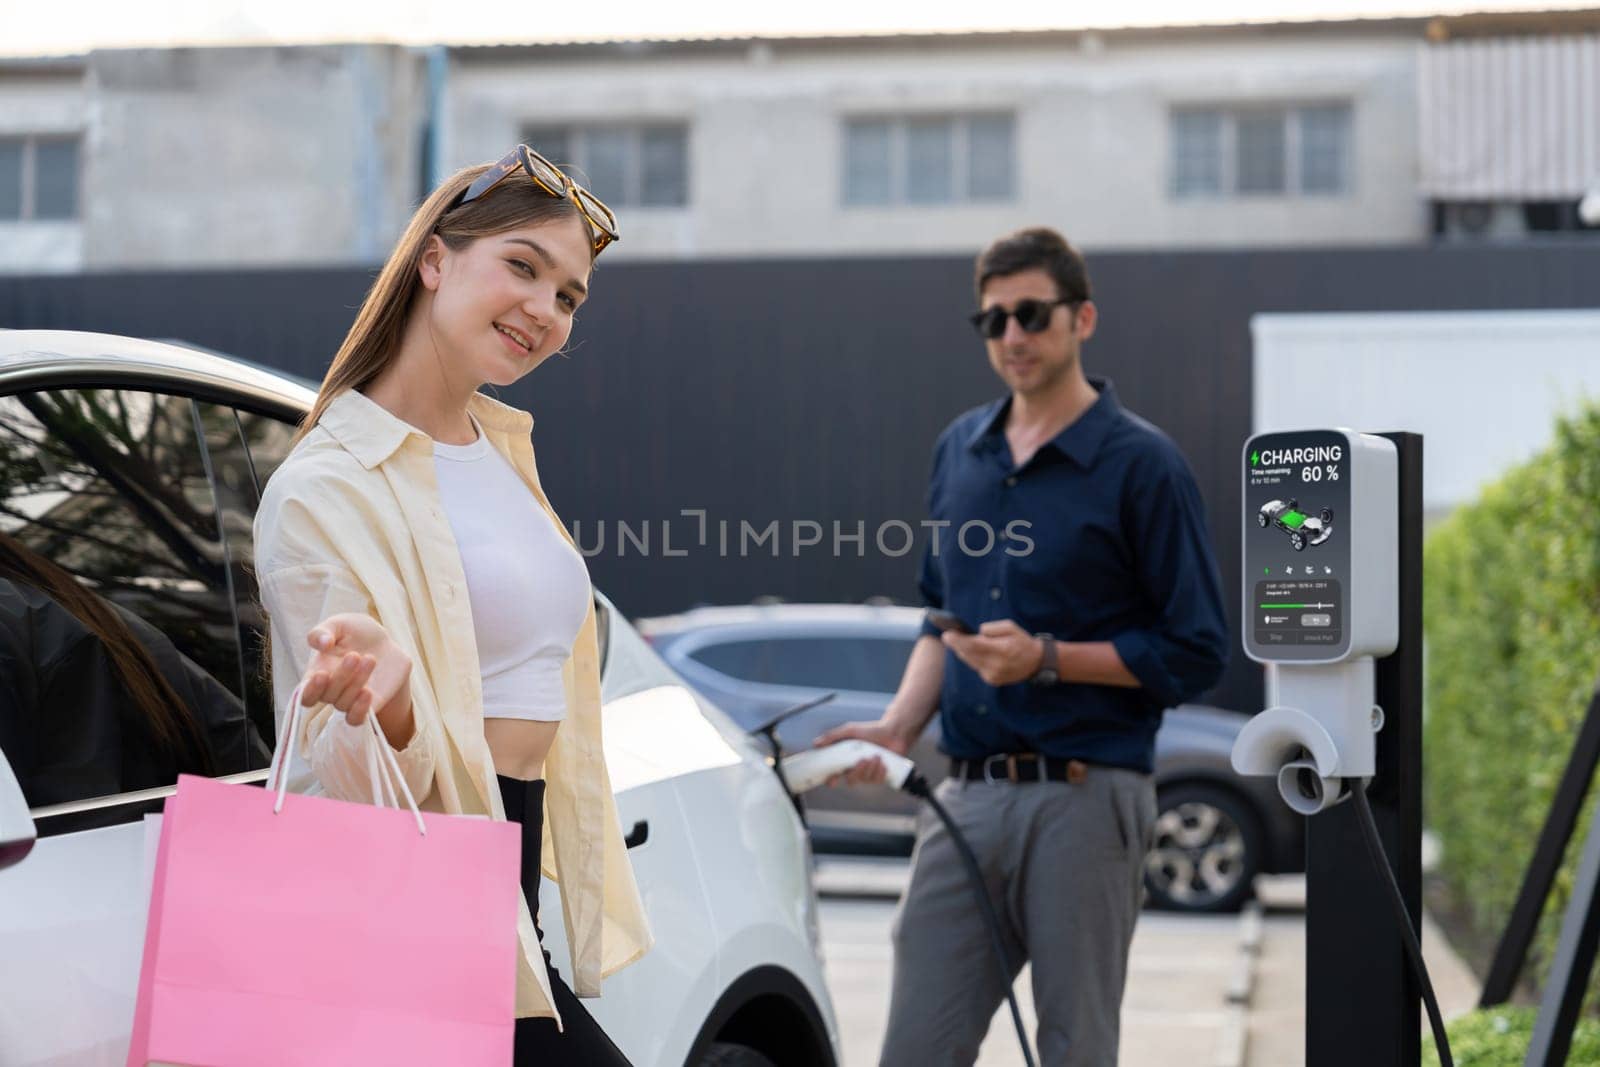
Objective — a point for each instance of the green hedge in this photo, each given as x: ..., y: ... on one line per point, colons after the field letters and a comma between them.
x: 1498, y: 1037
x: 1513, y: 652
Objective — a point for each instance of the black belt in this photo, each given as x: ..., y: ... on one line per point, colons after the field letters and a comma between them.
x: 1020, y: 767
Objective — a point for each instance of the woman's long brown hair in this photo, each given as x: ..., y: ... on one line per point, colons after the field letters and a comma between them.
x: 374, y: 338
x: 168, y: 717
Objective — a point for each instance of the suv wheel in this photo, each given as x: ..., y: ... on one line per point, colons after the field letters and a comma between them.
x: 1207, y: 850
x: 722, y: 1054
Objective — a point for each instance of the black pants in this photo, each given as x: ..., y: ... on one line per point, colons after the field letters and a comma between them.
x: 581, y: 1042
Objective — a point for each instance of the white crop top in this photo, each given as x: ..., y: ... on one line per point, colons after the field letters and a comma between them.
x: 528, y: 587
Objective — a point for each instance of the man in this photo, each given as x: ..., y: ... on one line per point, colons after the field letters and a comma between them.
x: 1097, y: 606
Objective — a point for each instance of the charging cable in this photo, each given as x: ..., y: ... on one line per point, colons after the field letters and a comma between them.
x: 1369, y: 832
x: 917, y: 786
x: 807, y: 770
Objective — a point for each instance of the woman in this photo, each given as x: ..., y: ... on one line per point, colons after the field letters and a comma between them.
x: 413, y: 569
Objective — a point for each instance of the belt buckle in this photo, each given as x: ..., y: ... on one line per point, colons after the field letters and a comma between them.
x: 988, y: 771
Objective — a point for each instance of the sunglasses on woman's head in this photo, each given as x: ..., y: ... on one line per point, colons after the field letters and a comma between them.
x: 548, y: 177
x: 1032, y: 315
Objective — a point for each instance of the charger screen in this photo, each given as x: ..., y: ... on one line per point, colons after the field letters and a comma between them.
x: 1296, y: 545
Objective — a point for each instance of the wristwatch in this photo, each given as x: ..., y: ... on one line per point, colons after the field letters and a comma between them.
x: 1048, y: 673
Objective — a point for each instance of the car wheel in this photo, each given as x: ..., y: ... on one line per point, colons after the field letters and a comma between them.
x: 1261, y: 519
x: 722, y: 1054
x: 1326, y: 515
x: 1298, y: 541
x: 1207, y: 850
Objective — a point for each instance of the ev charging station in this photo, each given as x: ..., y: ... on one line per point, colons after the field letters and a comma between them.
x: 1332, y: 608
x: 1320, y: 606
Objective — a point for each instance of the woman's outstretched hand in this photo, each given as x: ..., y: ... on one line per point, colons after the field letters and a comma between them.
x: 358, y: 669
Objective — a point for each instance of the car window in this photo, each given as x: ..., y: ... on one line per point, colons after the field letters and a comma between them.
x: 632, y: 666
x: 848, y: 662
x: 867, y: 664
x: 268, y: 441
x: 628, y: 664
x: 245, y: 448
x: 744, y: 660
x: 119, y: 649
x: 884, y: 662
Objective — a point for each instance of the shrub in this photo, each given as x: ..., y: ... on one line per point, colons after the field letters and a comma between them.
x: 1512, y: 609
x: 1499, y: 1037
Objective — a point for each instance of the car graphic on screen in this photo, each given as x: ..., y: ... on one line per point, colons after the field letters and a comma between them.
x: 1302, y: 529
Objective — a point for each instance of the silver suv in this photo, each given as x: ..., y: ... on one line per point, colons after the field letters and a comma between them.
x: 1216, y: 830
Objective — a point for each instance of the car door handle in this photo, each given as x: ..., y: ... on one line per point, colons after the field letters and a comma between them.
x: 638, y: 835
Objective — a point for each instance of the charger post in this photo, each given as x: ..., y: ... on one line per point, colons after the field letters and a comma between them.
x: 1333, y: 609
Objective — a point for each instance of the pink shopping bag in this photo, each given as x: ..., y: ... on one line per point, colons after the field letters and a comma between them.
x: 298, y: 930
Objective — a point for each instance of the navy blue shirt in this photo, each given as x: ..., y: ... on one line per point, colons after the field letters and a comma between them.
x: 1101, y: 536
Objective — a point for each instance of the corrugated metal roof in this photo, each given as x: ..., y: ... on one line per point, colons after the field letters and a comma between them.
x: 1510, y: 118
x: 679, y: 45
x: 1434, y: 26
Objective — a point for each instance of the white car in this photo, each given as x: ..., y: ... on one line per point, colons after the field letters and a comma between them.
x: 136, y: 465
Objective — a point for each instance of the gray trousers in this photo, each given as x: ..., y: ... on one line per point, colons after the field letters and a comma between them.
x: 1063, y: 864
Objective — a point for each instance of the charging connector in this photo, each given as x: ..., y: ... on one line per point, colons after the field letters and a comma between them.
x: 805, y: 771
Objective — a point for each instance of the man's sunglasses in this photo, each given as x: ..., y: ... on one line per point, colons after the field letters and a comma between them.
x: 547, y: 176
x: 1032, y: 315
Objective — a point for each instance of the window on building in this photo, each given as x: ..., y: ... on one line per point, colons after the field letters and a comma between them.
x: 1261, y: 151
x: 38, y: 178
x: 1324, y: 148
x: 868, y: 163
x: 1260, y: 146
x: 928, y: 159
x: 11, y: 150
x: 644, y: 165
x: 1197, y: 153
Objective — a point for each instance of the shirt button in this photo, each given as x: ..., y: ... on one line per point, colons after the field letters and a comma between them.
x: 983, y: 709
x: 1011, y: 482
x: 994, y: 594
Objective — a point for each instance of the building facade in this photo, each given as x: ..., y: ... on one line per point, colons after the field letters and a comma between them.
x: 888, y: 146
x: 208, y: 157
x: 1247, y: 136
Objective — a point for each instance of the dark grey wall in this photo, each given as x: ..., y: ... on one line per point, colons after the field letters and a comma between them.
x: 812, y: 390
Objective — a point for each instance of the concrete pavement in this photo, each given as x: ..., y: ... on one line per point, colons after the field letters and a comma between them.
x: 1203, y: 991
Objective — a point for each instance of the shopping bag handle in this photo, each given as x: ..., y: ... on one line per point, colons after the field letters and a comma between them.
x: 278, y: 770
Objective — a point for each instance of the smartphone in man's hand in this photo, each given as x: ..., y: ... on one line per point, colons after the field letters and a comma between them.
x: 947, y: 621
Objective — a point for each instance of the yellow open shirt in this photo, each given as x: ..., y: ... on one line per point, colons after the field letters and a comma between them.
x: 352, y: 522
